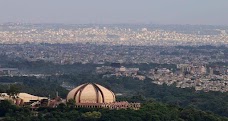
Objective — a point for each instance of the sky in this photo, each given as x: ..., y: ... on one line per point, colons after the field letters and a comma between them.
x: 209, y: 12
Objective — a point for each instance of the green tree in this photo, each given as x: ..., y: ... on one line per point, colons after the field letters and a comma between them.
x: 13, y: 91
x: 91, y: 115
x: 71, y: 103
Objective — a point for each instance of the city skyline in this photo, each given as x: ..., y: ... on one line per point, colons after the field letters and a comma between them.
x: 208, y: 12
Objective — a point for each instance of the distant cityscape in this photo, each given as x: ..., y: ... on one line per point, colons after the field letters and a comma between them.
x: 99, y: 54
x: 137, y: 35
x: 173, y: 62
x: 202, y: 68
x: 198, y: 54
x: 198, y: 77
x: 120, y: 60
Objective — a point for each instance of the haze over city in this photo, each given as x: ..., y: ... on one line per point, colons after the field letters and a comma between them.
x: 113, y: 60
x: 210, y: 12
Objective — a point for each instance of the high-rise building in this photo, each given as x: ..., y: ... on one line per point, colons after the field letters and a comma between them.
x: 203, y: 70
x: 211, y: 71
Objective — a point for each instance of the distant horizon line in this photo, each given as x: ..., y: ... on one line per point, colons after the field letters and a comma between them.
x: 4, y: 23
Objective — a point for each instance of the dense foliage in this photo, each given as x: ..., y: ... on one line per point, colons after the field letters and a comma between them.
x: 42, y: 67
x: 215, y: 102
x: 151, y: 111
x: 33, y: 85
x: 189, y: 100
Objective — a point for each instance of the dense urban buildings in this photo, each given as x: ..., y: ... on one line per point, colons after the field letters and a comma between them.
x: 113, y: 60
x: 98, y: 54
x: 200, y: 67
x: 139, y: 35
x: 176, y: 64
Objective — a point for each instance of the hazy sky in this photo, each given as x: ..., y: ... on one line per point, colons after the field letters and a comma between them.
x: 115, y: 11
